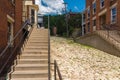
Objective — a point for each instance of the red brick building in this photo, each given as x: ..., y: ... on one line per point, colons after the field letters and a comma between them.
x: 13, y: 14
x: 100, y: 14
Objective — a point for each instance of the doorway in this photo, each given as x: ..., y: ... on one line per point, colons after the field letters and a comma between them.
x: 32, y: 16
x: 103, y: 21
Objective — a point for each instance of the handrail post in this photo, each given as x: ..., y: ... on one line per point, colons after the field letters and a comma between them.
x: 55, y: 70
x: 49, y: 62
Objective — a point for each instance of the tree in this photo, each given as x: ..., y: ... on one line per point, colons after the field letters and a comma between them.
x: 74, y: 21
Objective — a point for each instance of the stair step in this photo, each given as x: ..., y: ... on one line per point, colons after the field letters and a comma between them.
x: 34, y: 53
x: 40, y: 44
x: 33, y: 56
x: 30, y: 79
x: 36, y: 47
x: 28, y: 67
x: 33, y: 61
x: 26, y: 49
x: 30, y: 74
x: 38, y: 37
x: 37, y: 41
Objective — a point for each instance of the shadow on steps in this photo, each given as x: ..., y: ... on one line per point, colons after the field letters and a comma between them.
x: 97, y: 42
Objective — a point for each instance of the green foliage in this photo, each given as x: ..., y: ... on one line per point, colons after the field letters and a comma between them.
x: 59, y: 22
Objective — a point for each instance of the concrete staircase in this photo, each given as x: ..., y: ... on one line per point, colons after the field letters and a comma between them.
x: 33, y: 62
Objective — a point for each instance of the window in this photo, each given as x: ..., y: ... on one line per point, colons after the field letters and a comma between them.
x: 83, y: 17
x: 88, y: 12
x: 113, y: 15
x: 102, y: 3
x: 88, y: 26
x: 94, y: 22
x: 94, y: 7
x: 13, y: 2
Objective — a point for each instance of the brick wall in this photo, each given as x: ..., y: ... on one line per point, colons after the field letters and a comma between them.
x: 3, y: 28
x: 6, y: 8
x: 18, y: 18
x: 107, y: 6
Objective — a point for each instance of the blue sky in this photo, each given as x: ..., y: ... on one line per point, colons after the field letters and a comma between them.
x: 76, y: 5
x: 56, y: 6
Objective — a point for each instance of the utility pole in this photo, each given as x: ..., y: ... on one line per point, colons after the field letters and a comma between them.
x: 66, y: 19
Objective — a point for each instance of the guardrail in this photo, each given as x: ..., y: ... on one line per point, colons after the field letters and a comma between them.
x: 9, y: 54
x: 107, y: 35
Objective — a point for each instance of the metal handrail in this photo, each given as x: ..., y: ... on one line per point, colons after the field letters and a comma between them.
x: 26, y: 22
x: 49, y: 61
x: 14, y: 52
x: 57, y: 71
x: 108, y: 28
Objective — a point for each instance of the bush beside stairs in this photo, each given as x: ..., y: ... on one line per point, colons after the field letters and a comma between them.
x: 33, y: 62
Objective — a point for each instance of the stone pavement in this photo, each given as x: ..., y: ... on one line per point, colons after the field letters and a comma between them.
x: 79, y: 62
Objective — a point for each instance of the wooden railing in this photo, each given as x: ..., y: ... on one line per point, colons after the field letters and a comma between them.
x: 57, y: 71
x: 9, y: 54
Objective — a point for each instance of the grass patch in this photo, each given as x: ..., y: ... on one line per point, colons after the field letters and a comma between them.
x: 71, y: 41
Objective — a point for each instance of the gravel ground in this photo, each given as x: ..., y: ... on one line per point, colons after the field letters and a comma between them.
x: 79, y: 62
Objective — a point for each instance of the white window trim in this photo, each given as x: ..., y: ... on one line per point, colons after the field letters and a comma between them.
x: 88, y: 9
x: 114, y: 5
x: 94, y: 12
x: 113, y: 15
x: 11, y: 20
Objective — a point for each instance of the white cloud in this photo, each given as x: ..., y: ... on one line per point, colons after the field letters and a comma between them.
x: 51, y: 6
x: 76, y: 8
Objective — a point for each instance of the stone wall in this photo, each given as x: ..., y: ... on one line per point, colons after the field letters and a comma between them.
x: 98, y: 43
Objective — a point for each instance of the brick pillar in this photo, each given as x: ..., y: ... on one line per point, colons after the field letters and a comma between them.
x: 97, y: 12
x: 118, y: 14
x: 91, y: 16
x: 108, y: 13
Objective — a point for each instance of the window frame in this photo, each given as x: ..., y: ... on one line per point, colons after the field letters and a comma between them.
x: 88, y: 12
x: 94, y: 7
x: 94, y: 22
x: 113, y: 15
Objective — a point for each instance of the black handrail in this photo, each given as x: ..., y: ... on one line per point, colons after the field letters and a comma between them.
x: 108, y: 28
x: 57, y: 71
x: 9, y: 53
x: 26, y: 22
